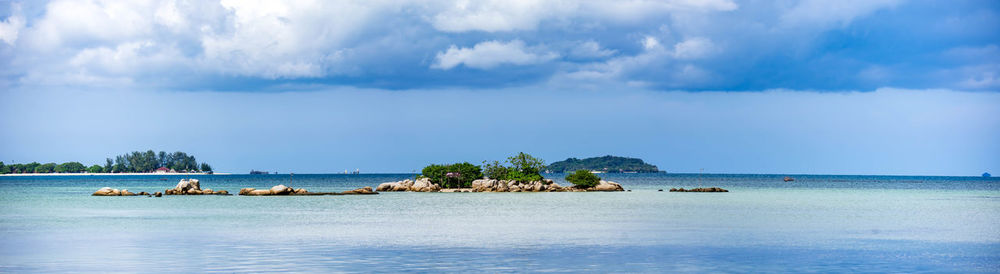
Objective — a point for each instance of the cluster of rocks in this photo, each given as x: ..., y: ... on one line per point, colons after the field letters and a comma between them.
x: 192, y: 187
x: 492, y: 185
x: 282, y: 190
x: 420, y: 185
x: 107, y: 191
x: 703, y: 189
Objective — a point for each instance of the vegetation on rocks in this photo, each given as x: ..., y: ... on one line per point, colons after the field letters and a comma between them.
x: 583, y: 178
x: 454, y: 175
x: 521, y: 167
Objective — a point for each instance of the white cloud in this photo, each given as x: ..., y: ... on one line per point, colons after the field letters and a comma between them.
x: 590, y: 49
x: 10, y: 27
x: 650, y: 43
x: 515, y: 15
x: 497, y: 15
x: 489, y: 54
x: 821, y: 12
x: 694, y: 48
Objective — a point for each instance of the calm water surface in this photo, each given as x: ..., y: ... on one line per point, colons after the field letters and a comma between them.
x: 817, y: 224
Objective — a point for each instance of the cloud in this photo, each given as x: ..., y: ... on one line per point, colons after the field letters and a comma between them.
x: 838, y: 13
x: 496, y: 15
x: 668, y: 44
x: 693, y: 48
x: 590, y: 50
x: 490, y: 54
x: 515, y: 15
x: 10, y: 27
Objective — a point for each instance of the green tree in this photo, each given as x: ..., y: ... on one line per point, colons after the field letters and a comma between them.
x: 523, y: 168
x: 107, y: 165
x: 495, y: 170
x: 30, y: 167
x: 95, y: 169
x: 45, y: 168
x: 70, y: 167
x: 17, y: 168
x: 205, y: 167
x: 3, y: 168
x: 453, y: 175
x: 583, y: 178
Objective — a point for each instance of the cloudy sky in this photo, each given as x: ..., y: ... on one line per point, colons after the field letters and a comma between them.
x: 841, y: 87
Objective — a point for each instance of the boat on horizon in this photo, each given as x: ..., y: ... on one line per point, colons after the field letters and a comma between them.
x: 789, y: 179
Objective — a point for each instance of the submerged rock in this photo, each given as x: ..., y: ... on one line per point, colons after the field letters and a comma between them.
x: 282, y: 190
x: 704, y: 189
x: 106, y: 191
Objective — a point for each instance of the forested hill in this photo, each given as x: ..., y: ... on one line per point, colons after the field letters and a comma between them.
x: 608, y: 163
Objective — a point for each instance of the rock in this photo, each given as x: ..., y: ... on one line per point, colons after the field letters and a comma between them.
x: 125, y: 192
x: 186, y: 184
x: 705, y: 189
x: 281, y: 190
x: 553, y: 187
x: 143, y: 193
x: 484, y: 185
x: 384, y: 187
x: 259, y: 192
x: 104, y: 191
x: 222, y: 192
x: 301, y: 191
x: 246, y: 191
x: 607, y: 186
x: 193, y: 192
x: 363, y: 190
x: 421, y: 185
x: 424, y: 185
x: 208, y: 192
x: 158, y: 194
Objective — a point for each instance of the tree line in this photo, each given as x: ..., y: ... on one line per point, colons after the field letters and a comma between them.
x: 133, y: 162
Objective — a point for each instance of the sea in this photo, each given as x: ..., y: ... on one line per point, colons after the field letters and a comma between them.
x: 817, y: 223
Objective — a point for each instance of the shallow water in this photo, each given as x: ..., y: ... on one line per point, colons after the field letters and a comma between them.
x: 817, y: 223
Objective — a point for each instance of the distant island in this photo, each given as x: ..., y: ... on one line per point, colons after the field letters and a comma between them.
x: 134, y: 162
x: 609, y: 164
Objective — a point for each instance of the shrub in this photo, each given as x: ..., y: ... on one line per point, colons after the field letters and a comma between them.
x: 523, y: 168
x: 453, y: 175
x: 583, y: 178
x: 495, y: 170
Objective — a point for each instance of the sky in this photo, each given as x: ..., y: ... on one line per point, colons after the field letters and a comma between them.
x: 818, y: 87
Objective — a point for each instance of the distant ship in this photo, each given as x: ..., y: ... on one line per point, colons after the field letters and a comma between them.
x: 356, y: 171
x: 258, y: 172
x: 788, y: 179
x: 986, y: 175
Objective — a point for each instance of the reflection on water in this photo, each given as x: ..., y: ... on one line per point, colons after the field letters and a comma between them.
x: 818, y: 224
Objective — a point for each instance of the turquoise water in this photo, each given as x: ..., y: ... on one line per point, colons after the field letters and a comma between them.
x: 816, y: 224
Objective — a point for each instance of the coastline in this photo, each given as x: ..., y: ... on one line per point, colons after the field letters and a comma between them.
x: 110, y: 174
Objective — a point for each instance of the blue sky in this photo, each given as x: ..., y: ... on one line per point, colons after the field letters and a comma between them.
x: 843, y: 87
